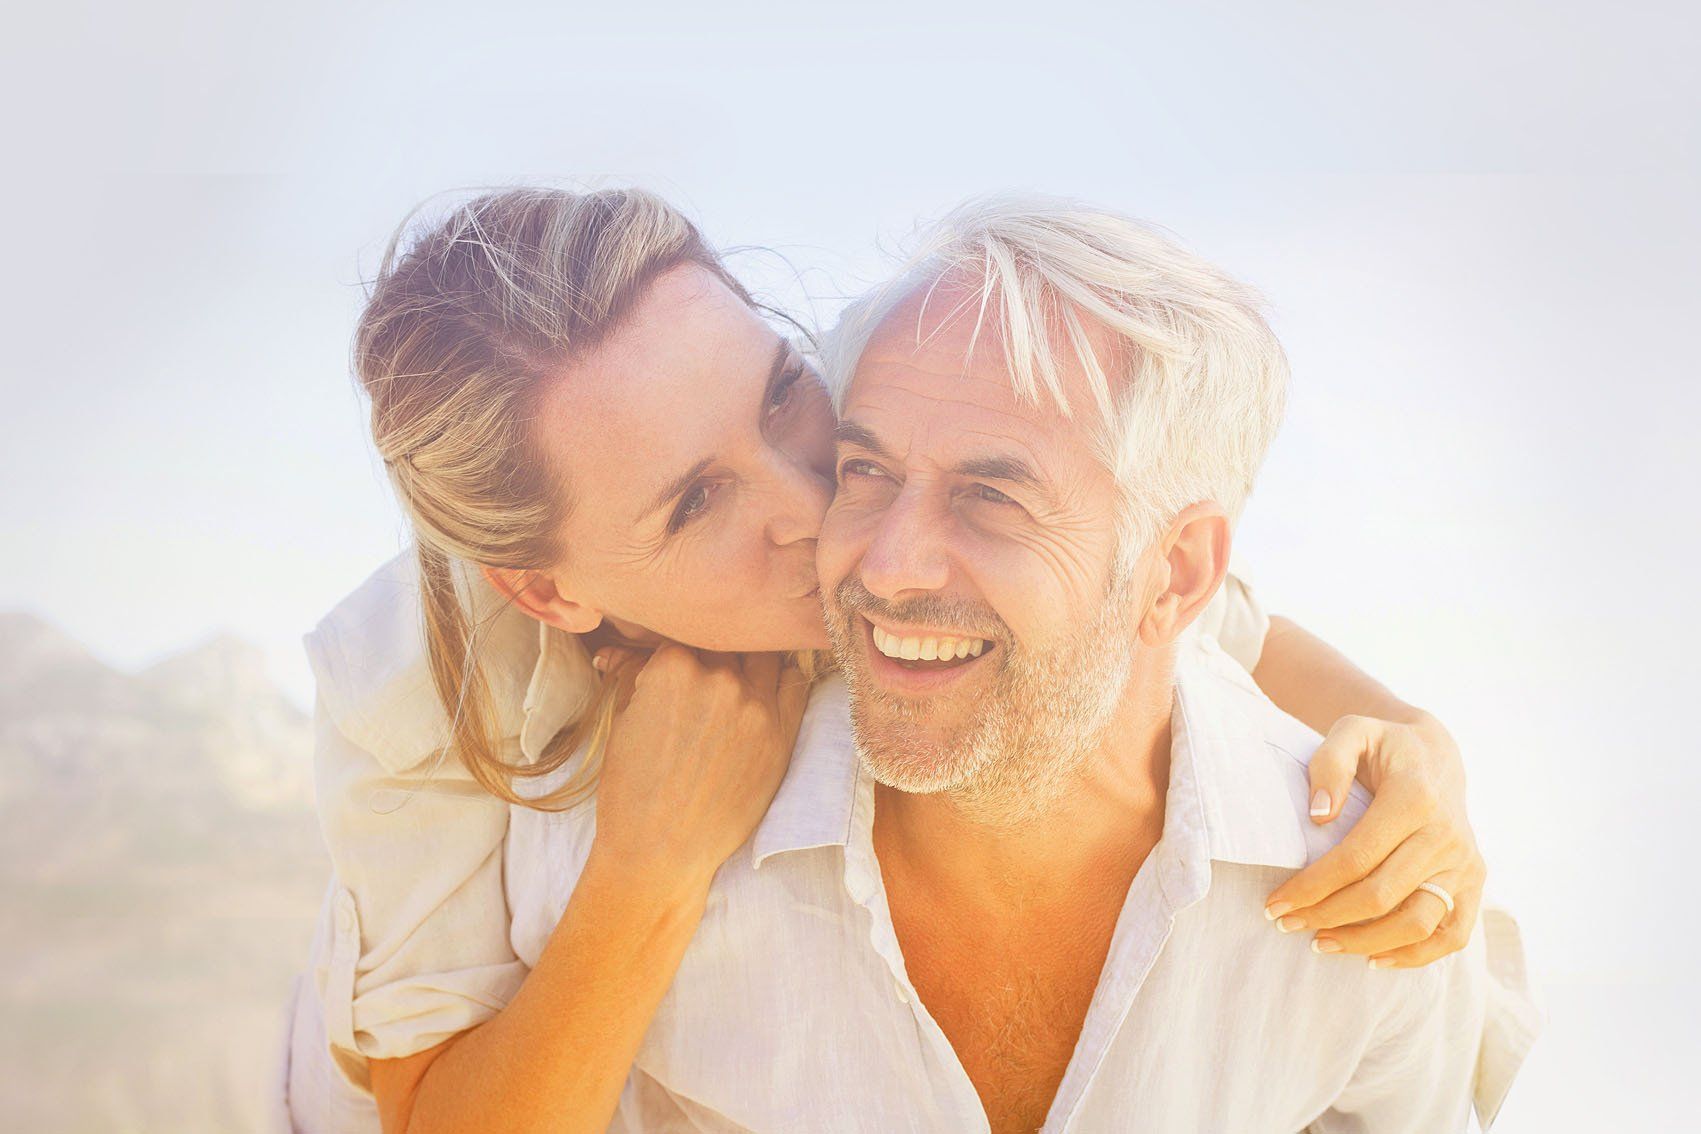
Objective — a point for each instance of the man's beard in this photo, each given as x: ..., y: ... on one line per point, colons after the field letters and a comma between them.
x: 1045, y: 714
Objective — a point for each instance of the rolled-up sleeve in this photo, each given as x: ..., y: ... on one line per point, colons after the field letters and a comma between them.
x: 417, y: 922
x: 1235, y: 617
x: 1459, y: 1037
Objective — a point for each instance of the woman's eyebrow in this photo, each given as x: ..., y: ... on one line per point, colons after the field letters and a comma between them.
x: 776, y: 372
x: 675, y: 487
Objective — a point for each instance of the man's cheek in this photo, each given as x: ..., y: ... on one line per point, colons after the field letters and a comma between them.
x: 835, y: 551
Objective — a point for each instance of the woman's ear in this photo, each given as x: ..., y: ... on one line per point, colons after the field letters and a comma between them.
x: 536, y: 593
x: 1195, y: 554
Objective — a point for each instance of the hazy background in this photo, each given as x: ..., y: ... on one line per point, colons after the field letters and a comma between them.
x: 1476, y: 223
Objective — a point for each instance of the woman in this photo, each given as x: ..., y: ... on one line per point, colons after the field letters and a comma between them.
x: 604, y: 449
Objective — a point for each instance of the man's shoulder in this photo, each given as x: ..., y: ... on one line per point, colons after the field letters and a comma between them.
x: 1273, y: 786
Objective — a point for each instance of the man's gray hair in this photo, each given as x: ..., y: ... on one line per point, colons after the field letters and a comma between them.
x: 1197, y: 380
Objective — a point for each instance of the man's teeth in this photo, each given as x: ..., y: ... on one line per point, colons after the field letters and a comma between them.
x: 927, y: 649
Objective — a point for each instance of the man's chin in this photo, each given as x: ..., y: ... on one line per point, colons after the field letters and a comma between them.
x: 912, y: 776
x: 912, y: 759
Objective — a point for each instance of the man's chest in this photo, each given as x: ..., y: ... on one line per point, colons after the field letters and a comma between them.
x: 1010, y: 997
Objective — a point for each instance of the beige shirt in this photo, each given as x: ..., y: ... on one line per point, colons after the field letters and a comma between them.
x: 413, y: 945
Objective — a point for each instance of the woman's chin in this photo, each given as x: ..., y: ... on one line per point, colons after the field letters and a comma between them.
x: 817, y: 639
x: 811, y: 635
x: 808, y: 634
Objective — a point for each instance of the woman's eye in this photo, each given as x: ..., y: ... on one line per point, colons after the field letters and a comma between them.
x: 693, y: 504
x: 782, y: 391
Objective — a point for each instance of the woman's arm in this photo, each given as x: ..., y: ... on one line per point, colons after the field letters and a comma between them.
x: 557, y: 1056
x: 1364, y: 891
x: 694, y: 759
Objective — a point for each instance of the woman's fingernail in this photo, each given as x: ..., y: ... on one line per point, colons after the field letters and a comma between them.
x: 1289, y: 924
x: 1381, y: 962
x: 1276, y: 909
x: 1325, y: 945
x: 1320, y: 803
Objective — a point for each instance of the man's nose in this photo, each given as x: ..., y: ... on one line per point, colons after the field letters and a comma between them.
x: 801, y: 495
x: 906, y: 552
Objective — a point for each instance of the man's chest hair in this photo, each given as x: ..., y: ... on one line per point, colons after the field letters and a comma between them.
x: 1014, y: 1031
x: 1012, y: 1007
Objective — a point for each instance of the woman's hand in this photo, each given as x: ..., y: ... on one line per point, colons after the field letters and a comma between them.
x: 695, y: 756
x: 1364, y: 893
x: 697, y: 751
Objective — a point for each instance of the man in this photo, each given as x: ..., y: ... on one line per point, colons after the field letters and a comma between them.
x: 1015, y: 876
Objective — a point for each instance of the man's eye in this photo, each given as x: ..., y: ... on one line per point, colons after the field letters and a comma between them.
x: 987, y: 492
x: 693, y: 504
x: 858, y: 467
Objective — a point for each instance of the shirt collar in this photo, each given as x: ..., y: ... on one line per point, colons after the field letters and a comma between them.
x: 814, y: 803
x: 539, y: 678
x: 1238, y: 790
x: 1237, y: 763
x: 561, y: 687
x: 373, y: 671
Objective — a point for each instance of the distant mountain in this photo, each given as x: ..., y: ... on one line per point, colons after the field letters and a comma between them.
x: 255, y: 740
x: 42, y: 668
x: 160, y: 866
x: 206, y: 725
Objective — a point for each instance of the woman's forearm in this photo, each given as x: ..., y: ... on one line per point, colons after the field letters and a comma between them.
x: 557, y: 1056
x: 1309, y: 679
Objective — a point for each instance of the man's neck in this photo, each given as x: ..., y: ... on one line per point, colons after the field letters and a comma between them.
x: 1092, y: 832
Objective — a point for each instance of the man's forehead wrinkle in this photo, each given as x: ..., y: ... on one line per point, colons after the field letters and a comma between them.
x: 872, y: 401
x: 910, y: 328
x: 991, y: 372
x: 1023, y: 415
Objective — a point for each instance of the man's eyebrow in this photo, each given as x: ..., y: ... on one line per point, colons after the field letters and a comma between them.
x: 1011, y: 470
x: 850, y: 433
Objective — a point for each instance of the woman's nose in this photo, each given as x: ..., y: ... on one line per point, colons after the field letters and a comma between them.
x: 801, y: 495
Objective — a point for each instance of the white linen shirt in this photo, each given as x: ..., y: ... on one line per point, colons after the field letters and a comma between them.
x: 413, y: 944
x: 792, y: 1010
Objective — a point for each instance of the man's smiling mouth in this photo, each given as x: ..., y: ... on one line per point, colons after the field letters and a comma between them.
x: 927, y: 650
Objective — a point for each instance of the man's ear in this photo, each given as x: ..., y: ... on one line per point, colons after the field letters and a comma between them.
x: 536, y: 593
x: 1194, y: 557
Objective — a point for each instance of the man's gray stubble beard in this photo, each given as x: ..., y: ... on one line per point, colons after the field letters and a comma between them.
x: 1044, y: 717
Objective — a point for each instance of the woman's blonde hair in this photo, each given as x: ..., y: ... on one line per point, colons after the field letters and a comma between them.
x: 468, y: 322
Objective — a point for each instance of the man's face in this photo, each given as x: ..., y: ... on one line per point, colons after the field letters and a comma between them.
x: 966, y: 566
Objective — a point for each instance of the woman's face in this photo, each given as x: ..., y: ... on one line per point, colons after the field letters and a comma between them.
x: 697, y: 452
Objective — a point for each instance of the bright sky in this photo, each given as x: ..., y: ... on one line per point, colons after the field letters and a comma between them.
x: 1476, y: 225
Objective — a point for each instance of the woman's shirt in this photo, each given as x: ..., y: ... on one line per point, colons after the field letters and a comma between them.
x: 414, y: 945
